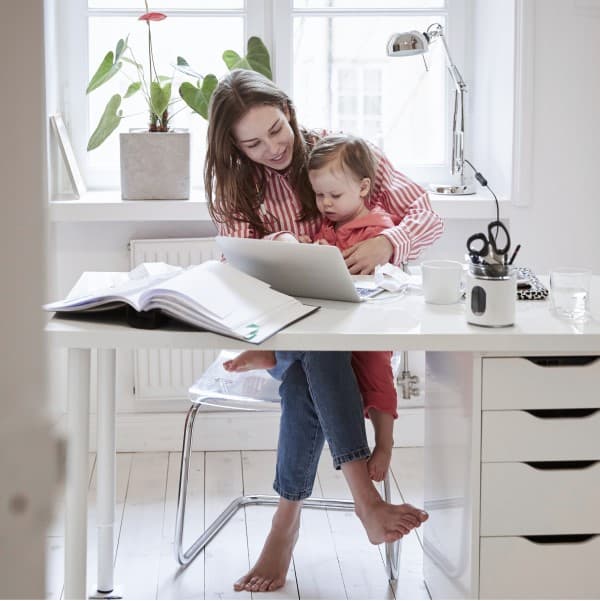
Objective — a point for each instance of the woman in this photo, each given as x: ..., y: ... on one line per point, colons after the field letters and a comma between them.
x: 257, y: 186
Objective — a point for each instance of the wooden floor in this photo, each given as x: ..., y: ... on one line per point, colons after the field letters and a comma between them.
x: 332, y: 560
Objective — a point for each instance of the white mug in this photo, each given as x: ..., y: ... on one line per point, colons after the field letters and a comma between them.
x: 441, y: 281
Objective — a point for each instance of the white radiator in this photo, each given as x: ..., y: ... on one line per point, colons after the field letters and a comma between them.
x: 166, y: 374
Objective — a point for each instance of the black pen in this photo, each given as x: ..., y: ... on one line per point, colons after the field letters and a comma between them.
x: 514, y: 254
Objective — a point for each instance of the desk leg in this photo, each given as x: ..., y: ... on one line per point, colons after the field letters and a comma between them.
x: 106, y: 466
x: 78, y: 412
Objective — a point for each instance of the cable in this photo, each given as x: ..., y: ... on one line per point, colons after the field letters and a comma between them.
x: 481, y: 179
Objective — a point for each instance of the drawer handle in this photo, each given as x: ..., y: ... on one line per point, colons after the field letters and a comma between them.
x: 557, y: 539
x: 561, y: 413
x: 560, y: 465
x: 562, y: 361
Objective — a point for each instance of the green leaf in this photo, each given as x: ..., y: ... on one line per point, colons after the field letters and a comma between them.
x: 183, y: 66
x: 133, y: 88
x: 121, y: 46
x: 159, y: 97
x: 198, y: 97
x: 105, y: 71
x: 231, y: 59
x: 108, y: 123
x: 258, y: 57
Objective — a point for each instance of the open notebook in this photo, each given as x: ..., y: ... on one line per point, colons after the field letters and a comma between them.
x: 211, y: 296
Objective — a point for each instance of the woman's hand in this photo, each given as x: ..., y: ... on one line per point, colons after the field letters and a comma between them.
x: 304, y: 239
x: 364, y: 256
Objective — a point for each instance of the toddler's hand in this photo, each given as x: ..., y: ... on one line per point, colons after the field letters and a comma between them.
x: 322, y: 241
x: 304, y: 239
x: 286, y: 237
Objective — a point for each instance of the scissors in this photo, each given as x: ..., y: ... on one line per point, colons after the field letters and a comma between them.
x: 486, y: 248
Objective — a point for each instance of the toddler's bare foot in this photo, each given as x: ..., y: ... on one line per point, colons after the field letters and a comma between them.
x: 379, y: 462
x: 270, y: 571
x: 249, y: 360
x: 385, y: 522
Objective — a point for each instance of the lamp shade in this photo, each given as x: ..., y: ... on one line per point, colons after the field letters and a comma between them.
x: 407, y: 43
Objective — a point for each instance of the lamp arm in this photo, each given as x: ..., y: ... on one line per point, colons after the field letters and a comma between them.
x: 458, y: 122
x: 457, y: 78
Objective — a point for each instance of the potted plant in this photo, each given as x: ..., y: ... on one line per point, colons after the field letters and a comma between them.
x: 155, y: 161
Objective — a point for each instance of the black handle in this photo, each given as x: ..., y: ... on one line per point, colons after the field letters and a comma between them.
x: 561, y: 413
x: 562, y: 361
x: 560, y: 465
x: 559, y: 539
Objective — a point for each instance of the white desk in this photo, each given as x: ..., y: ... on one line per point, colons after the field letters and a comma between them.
x: 455, y: 351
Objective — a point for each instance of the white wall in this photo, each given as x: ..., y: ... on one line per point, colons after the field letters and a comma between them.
x: 559, y: 224
x: 489, y: 127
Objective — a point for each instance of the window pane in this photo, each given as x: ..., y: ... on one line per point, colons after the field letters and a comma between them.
x: 200, y: 41
x: 165, y: 6
x: 373, y: 105
x: 367, y: 5
x: 397, y: 99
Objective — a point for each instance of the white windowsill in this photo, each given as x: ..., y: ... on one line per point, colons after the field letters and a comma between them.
x: 107, y: 206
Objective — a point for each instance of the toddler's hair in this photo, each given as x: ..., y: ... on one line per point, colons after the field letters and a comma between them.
x: 349, y: 152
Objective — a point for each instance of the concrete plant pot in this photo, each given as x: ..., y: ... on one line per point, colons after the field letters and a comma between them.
x: 155, y: 165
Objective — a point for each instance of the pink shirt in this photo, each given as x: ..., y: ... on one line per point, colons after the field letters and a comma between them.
x: 414, y: 226
x: 357, y: 230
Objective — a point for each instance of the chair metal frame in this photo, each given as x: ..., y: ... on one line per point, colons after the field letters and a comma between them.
x: 185, y: 557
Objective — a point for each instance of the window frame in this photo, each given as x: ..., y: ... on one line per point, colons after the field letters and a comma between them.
x: 272, y: 20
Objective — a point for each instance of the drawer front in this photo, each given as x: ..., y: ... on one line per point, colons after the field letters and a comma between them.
x: 542, y: 435
x: 518, y: 568
x: 521, y: 499
x: 541, y: 383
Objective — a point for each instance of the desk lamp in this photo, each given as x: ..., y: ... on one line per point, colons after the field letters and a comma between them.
x: 411, y: 43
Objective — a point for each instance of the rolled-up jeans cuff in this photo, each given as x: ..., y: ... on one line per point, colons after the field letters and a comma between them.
x: 296, y: 496
x: 338, y: 460
x: 283, y: 360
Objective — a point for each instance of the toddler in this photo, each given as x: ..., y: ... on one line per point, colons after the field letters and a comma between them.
x: 341, y: 170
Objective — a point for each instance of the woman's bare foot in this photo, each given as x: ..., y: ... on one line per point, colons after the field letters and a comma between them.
x: 379, y: 462
x: 385, y: 522
x: 270, y: 571
x: 249, y: 360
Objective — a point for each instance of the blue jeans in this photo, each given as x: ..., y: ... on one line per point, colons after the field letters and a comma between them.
x: 320, y: 400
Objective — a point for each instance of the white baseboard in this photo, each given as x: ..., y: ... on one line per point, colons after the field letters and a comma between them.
x: 228, y: 430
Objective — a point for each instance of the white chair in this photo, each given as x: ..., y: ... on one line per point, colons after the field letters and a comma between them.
x: 250, y: 391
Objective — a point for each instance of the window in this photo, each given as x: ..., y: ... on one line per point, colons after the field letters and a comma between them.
x: 328, y: 54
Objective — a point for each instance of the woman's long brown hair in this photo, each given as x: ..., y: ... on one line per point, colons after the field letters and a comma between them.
x: 233, y: 183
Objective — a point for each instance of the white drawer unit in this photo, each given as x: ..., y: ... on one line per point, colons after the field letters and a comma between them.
x: 540, y: 382
x: 540, y: 435
x: 551, y: 567
x: 513, y: 445
x: 561, y: 497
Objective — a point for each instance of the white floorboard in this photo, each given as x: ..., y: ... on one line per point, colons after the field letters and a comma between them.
x: 332, y: 560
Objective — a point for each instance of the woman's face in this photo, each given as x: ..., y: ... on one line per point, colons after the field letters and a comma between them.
x: 265, y: 136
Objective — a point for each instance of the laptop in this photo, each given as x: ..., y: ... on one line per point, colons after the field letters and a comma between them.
x: 308, y: 270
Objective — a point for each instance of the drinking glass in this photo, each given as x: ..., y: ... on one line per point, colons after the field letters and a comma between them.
x: 570, y: 291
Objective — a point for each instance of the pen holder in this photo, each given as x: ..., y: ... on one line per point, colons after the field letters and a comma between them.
x: 491, y: 295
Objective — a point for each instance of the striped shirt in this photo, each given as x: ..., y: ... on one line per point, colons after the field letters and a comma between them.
x: 417, y: 225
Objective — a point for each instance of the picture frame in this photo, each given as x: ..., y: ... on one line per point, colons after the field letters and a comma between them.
x: 64, y: 142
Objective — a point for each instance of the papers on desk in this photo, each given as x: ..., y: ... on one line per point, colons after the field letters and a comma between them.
x: 211, y: 296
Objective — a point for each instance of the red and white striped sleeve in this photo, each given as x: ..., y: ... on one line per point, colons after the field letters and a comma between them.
x: 236, y: 229
x: 419, y: 225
